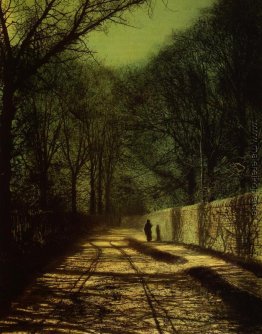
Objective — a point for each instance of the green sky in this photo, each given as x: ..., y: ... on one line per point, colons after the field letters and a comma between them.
x: 125, y: 45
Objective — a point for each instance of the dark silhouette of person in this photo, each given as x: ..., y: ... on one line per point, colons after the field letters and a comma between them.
x: 158, y: 236
x: 148, y: 231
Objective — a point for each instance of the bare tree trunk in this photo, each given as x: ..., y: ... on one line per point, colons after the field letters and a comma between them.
x: 92, y: 204
x: 7, y: 115
x: 108, y: 197
x: 201, y: 164
x: 242, y: 145
x: 211, y: 164
x: 43, y: 185
x: 191, y: 185
x: 73, y: 193
x: 99, y: 187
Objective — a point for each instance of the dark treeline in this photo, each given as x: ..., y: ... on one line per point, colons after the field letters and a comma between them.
x: 77, y: 136
x: 56, y: 116
x: 65, y: 147
x: 196, y: 107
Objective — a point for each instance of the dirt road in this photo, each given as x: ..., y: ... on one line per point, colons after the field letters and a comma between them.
x: 108, y: 287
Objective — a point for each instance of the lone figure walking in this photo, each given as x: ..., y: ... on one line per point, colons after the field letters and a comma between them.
x: 147, y: 229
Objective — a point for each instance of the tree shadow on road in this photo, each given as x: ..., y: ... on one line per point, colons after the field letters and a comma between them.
x: 155, y: 253
x: 243, y: 306
x: 97, y: 290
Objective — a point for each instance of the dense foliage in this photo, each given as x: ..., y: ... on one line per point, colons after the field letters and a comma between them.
x: 196, y: 107
x: 75, y: 135
x: 33, y: 35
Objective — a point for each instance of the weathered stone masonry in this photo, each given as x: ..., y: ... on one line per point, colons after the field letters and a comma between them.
x: 232, y: 225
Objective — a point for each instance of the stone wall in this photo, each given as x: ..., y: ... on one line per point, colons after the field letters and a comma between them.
x: 233, y: 225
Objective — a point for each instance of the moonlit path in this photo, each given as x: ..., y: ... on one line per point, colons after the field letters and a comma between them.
x: 107, y: 287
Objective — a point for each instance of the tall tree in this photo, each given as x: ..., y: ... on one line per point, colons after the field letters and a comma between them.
x: 75, y: 150
x: 235, y: 49
x: 201, y: 91
x: 43, y: 139
x: 32, y: 34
